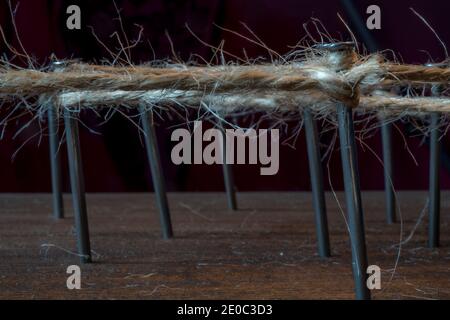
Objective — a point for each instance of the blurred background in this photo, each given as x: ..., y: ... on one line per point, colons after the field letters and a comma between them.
x: 114, y: 158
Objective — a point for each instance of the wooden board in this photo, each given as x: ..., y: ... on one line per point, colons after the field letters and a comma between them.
x: 265, y: 250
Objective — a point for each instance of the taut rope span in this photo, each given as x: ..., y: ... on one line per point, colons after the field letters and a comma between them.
x: 318, y: 80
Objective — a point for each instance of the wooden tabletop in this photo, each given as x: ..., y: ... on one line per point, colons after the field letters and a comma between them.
x: 266, y: 249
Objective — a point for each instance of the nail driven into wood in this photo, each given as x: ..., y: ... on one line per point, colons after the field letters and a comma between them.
x: 386, y: 140
x: 77, y: 187
x: 228, y: 177
x: 316, y: 175
x: 345, y: 52
x: 154, y: 161
x: 76, y: 179
x: 434, y: 184
x: 386, y: 120
x: 55, y: 160
x: 434, y: 208
x: 353, y: 200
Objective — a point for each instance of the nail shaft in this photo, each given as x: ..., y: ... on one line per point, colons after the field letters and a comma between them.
x: 153, y: 155
x: 435, y: 165
x: 77, y: 186
x: 228, y: 177
x: 229, y: 186
x: 386, y: 136
x: 435, y: 192
x: 353, y: 200
x: 315, y: 169
x: 58, y: 205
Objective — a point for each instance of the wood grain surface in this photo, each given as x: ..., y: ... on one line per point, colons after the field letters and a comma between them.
x: 266, y: 250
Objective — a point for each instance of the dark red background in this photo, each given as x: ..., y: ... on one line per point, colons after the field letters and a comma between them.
x: 114, y: 159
